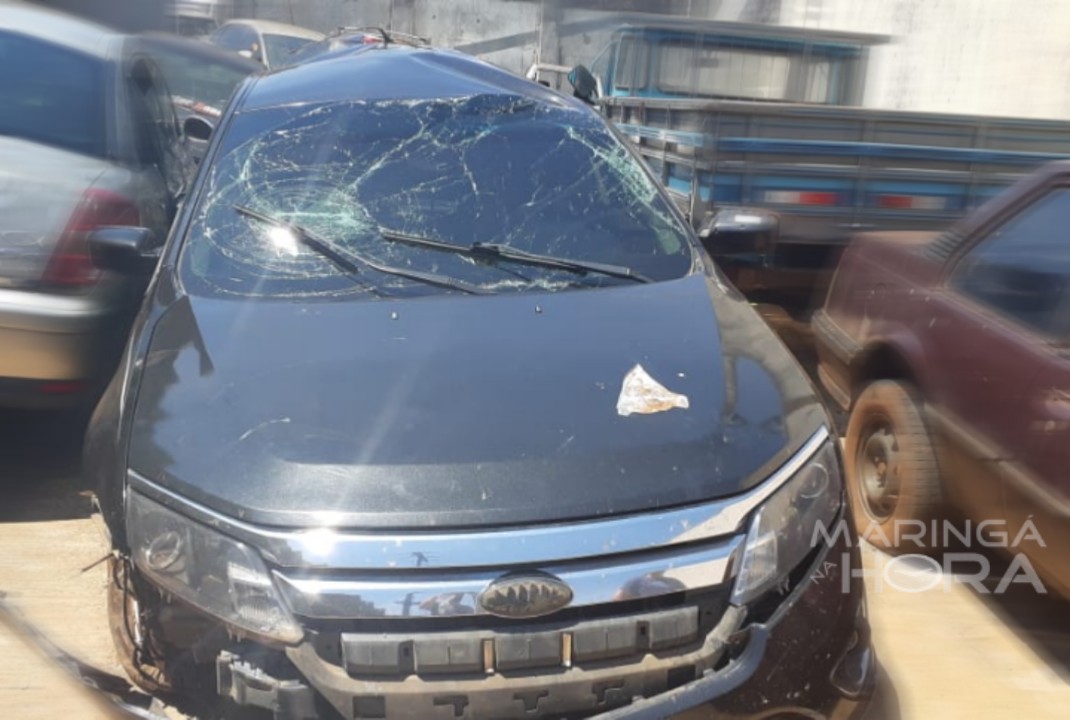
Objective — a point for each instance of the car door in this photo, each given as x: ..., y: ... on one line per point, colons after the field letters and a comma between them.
x: 1038, y: 486
x: 1038, y: 489
x: 989, y: 338
x: 1013, y: 280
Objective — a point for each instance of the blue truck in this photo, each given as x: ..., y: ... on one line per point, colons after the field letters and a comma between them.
x: 758, y: 133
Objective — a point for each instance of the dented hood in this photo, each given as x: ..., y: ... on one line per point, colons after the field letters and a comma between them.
x: 467, y: 411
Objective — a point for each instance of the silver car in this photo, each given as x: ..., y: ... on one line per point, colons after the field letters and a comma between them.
x: 269, y: 43
x: 88, y: 138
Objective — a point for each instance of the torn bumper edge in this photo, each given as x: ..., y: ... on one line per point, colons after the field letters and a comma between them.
x: 250, y: 686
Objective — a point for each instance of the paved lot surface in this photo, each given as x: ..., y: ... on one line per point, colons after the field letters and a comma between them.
x: 951, y: 652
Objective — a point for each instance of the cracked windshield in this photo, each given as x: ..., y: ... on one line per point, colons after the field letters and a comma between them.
x: 376, y: 177
x: 534, y: 359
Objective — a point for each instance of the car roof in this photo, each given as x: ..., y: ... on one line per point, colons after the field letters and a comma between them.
x: 393, y: 72
x: 58, y: 28
x: 201, y: 49
x: 276, y: 28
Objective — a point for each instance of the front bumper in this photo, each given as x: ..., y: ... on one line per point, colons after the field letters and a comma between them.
x: 809, y: 657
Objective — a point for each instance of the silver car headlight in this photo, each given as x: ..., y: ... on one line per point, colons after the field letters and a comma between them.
x: 783, y: 532
x: 223, y: 577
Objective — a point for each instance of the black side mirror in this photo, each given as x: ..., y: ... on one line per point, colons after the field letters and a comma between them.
x: 127, y: 250
x: 740, y: 236
x: 584, y: 85
x: 738, y: 221
x: 197, y: 128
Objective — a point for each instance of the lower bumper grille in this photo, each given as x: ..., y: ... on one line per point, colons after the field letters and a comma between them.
x: 519, y: 649
x: 586, y: 668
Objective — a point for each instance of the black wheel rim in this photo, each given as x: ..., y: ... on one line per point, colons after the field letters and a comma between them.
x: 878, y: 467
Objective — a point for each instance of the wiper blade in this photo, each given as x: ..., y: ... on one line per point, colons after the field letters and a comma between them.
x: 506, y: 252
x: 350, y: 261
x: 580, y: 266
x: 342, y: 259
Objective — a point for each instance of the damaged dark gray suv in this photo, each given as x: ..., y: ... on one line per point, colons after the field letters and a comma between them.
x: 437, y: 409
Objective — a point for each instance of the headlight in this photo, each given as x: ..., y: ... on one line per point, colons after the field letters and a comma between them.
x: 782, y: 534
x: 223, y: 577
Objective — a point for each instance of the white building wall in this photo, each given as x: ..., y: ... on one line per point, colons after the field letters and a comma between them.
x: 989, y: 57
x: 994, y: 57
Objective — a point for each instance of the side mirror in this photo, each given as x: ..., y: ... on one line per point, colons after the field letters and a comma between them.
x: 584, y: 85
x: 740, y: 236
x: 738, y: 221
x: 197, y: 128
x: 123, y: 249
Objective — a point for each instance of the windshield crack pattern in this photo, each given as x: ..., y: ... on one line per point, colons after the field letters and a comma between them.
x: 492, y: 168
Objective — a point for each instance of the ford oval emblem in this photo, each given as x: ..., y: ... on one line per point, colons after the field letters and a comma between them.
x: 525, y: 595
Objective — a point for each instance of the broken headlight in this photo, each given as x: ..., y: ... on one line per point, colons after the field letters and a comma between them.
x: 221, y: 576
x: 790, y: 524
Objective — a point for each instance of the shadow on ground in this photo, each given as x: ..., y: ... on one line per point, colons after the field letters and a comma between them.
x: 1037, y: 615
x: 40, y: 455
x: 1041, y: 620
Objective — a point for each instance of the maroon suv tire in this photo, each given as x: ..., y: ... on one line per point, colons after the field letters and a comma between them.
x: 891, y: 465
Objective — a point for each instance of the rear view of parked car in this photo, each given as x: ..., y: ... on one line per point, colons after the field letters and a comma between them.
x: 88, y: 138
x: 269, y: 43
x: 437, y: 408
x: 950, y: 350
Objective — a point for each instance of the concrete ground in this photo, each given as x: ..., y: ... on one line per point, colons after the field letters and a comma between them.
x: 951, y: 652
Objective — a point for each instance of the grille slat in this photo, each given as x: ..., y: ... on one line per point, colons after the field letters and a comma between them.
x: 518, y: 649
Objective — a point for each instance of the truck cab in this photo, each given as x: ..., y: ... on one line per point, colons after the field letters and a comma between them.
x: 735, y: 61
x: 193, y: 18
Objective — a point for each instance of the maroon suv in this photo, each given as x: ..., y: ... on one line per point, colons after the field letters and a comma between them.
x: 952, y: 354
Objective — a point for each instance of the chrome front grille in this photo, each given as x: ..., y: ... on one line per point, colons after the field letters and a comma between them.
x: 439, y: 593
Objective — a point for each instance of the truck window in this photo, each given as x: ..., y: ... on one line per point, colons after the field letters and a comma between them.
x: 818, y: 81
x: 633, y: 64
x: 1022, y: 269
x: 687, y: 68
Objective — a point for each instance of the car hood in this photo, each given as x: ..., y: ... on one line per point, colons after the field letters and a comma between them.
x: 464, y: 411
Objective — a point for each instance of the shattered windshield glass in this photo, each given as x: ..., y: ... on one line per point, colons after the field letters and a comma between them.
x: 495, y: 168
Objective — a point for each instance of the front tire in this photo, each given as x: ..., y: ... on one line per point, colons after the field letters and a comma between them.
x: 891, y: 466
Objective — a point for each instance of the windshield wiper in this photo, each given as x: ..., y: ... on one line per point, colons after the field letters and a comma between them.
x: 506, y: 252
x: 350, y: 261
